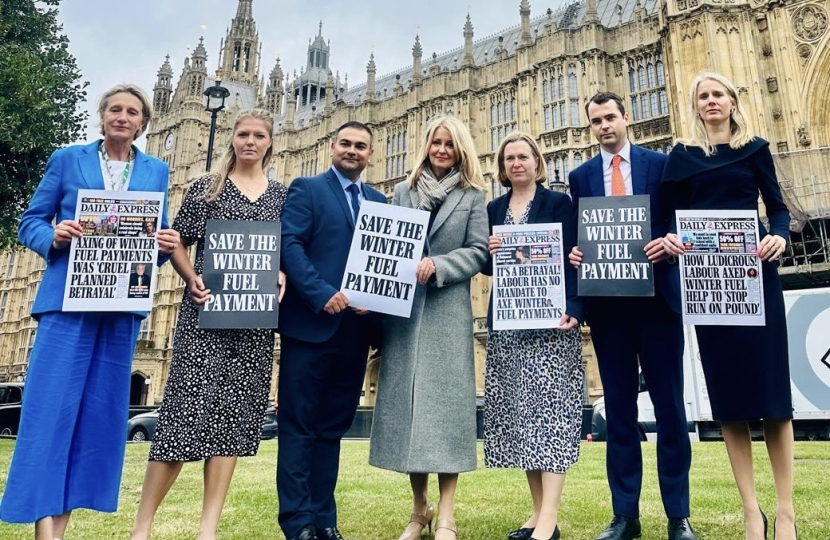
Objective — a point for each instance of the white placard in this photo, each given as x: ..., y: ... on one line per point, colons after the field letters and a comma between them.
x: 112, y: 267
x: 721, y: 280
x: 528, y: 277
x: 387, y: 245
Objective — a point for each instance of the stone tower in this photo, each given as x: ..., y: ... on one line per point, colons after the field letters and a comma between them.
x: 163, y: 90
x: 241, y: 47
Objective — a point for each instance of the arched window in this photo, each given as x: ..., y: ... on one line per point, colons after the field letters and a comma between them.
x: 572, y: 88
x: 493, y: 119
x: 655, y: 108
x: 561, y: 82
x: 632, y: 81
x: 664, y: 102
x: 644, y: 106
x: 650, y: 71
x: 545, y: 90
x: 661, y: 76
x: 635, y: 109
x: 641, y: 76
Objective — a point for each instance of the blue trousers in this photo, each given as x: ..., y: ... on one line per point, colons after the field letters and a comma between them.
x: 319, y: 392
x: 628, y: 331
x: 70, y: 445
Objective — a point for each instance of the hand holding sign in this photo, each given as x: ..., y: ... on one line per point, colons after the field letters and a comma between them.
x: 64, y: 232
x: 199, y: 294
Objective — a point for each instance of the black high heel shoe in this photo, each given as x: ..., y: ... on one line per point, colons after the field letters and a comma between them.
x: 773, y: 529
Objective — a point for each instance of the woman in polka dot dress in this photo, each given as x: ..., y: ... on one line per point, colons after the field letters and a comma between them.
x: 219, y: 380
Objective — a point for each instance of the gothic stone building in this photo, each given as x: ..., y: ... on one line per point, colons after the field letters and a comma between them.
x: 534, y: 76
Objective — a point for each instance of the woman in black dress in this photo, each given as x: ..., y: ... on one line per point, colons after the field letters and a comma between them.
x: 722, y: 166
x: 219, y: 380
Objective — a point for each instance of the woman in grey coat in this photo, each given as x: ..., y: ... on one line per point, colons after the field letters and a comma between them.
x: 424, y: 419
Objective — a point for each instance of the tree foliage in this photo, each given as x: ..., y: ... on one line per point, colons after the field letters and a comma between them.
x: 40, y: 93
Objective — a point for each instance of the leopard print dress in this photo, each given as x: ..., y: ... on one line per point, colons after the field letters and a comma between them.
x: 533, y: 396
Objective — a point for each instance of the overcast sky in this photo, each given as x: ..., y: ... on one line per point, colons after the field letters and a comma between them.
x: 117, y: 41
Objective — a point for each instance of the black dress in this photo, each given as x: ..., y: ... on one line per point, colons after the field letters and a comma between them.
x: 217, y: 391
x: 746, y: 367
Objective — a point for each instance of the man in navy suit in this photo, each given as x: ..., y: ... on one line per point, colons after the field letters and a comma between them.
x: 628, y: 330
x: 325, y: 343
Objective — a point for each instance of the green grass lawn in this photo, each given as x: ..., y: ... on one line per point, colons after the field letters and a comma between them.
x: 375, y: 504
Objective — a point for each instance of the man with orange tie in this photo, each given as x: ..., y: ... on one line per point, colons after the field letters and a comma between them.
x: 628, y: 331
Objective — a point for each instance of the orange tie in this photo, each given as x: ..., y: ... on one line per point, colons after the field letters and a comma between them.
x: 617, y: 183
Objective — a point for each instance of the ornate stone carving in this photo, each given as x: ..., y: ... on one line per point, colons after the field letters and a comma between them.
x: 766, y: 50
x: 810, y: 22
x: 804, y: 52
x: 777, y: 114
x: 772, y: 85
x: 803, y: 135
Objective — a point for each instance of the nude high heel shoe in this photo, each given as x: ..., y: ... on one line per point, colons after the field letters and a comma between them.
x: 421, y: 521
x: 448, y: 524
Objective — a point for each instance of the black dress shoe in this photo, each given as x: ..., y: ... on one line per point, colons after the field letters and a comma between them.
x: 525, y: 533
x: 681, y: 529
x: 520, y: 534
x: 306, y: 533
x: 621, y: 528
x: 329, y: 533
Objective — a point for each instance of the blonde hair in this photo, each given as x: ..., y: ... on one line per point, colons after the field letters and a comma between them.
x: 134, y: 90
x: 468, y: 165
x: 227, y: 162
x: 516, y: 136
x: 737, y: 119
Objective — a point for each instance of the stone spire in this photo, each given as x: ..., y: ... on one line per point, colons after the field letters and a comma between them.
x: 468, y: 60
x: 274, y: 93
x: 524, y: 11
x: 417, y: 52
x: 241, y: 47
x: 163, y: 89
x: 591, y: 16
x: 371, y: 70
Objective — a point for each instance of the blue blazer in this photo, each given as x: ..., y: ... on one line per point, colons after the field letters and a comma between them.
x: 68, y: 170
x: 547, y: 207
x: 317, y: 233
x: 646, y: 174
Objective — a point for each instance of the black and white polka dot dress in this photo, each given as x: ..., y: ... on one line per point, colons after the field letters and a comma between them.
x: 217, y: 390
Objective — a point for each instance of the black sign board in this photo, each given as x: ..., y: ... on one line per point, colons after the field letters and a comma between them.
x: 613, y: 232
x: 242, y: 262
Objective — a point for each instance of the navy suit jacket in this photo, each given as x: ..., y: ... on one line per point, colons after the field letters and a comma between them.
x: 547, y: 207
x: 317, y: 230
x: 646, y: 173
x: 68, y: 170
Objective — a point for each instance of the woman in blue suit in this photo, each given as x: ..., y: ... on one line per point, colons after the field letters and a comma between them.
x: 70, y: 445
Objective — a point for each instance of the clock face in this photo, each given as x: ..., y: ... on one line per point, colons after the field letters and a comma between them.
x: 168, y: 142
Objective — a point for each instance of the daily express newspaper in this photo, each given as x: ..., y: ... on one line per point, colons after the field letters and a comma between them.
x: 720, y: 274
x: 112, y: 267
x: 528, y: 277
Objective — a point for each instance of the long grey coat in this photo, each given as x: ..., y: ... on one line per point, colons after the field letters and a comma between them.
x: 424, y: 418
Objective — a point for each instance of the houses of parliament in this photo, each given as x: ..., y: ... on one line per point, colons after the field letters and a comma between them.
x: 536, y: 76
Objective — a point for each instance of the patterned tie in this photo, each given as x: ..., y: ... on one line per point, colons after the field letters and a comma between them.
x: 617, y: 183
x: 353, y: 190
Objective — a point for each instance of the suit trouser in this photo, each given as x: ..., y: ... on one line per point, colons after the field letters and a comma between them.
x: 319, y: 390
x: 70, y: 446
x: 625, y: 330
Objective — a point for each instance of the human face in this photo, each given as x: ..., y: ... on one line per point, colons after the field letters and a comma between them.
x: 608, y: 125
x: 442, y: 154
x: 251, y: 140
x: 350, y: 152
x: 520, y: 165
x: 714, y: 104
x: 122, y: 118
x: 139, y: 269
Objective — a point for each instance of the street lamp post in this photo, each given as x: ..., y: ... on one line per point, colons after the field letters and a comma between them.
x: 216, y: 96
x: 556, y: 184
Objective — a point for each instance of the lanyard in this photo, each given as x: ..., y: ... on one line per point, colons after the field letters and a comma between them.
x: 114, y: 186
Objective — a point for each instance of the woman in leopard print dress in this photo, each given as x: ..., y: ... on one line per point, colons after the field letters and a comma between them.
x: 533, y: 378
